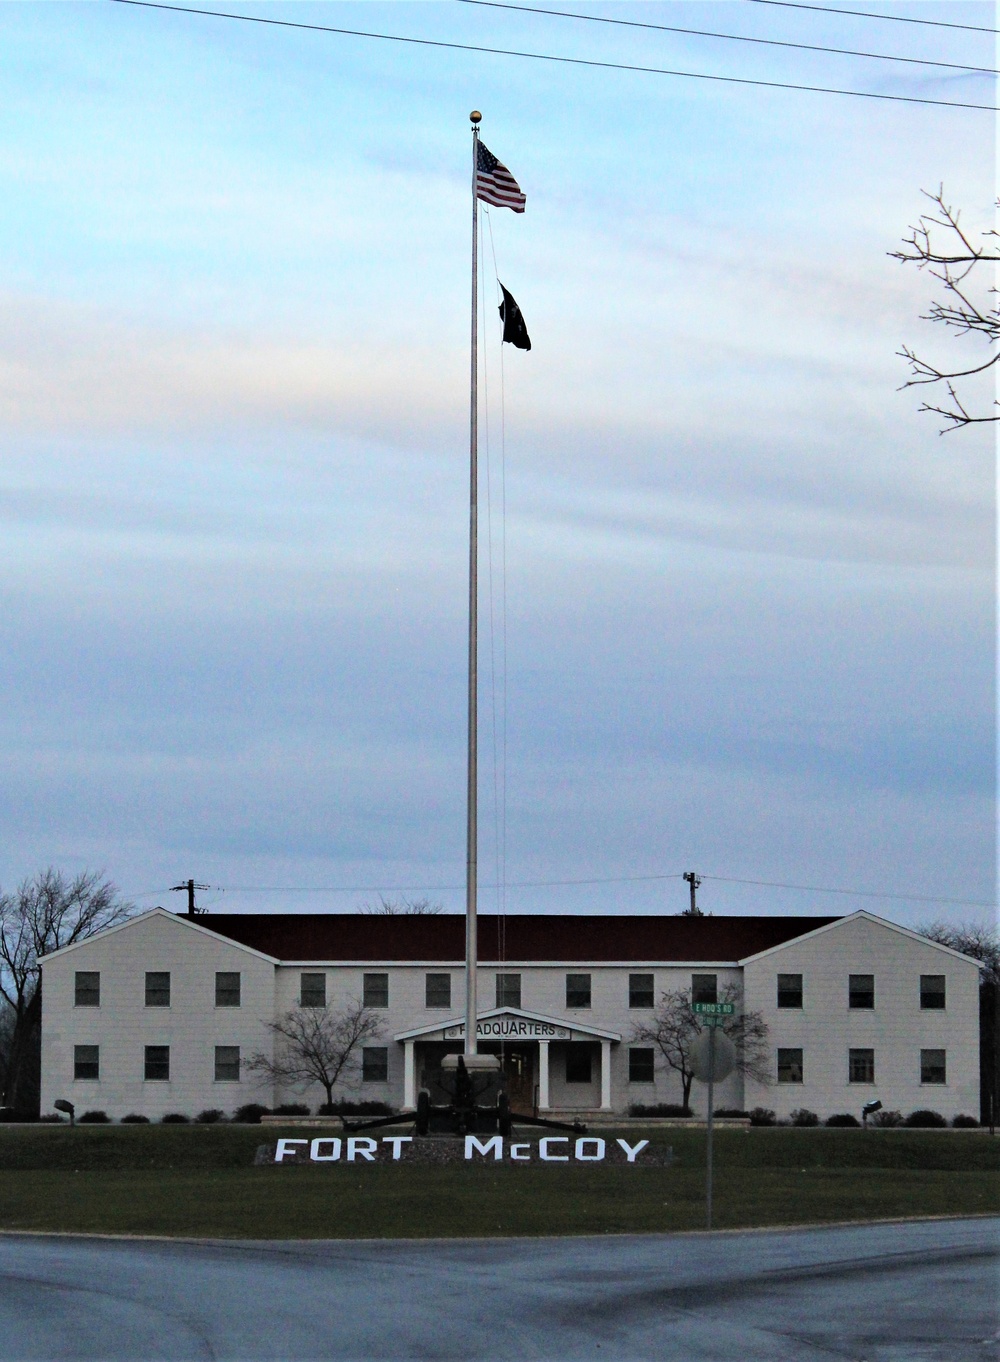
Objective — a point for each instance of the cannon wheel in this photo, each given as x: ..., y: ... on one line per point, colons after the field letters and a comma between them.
x: 504, y: 1124
x: 423, y: 1112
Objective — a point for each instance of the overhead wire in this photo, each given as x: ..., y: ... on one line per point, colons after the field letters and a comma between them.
x: 612, y: 879
x: 564, y: 60
x: 730, y: 37
x: 866, y: 14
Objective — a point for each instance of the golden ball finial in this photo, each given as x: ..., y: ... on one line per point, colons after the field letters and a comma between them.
x: 475, y: 116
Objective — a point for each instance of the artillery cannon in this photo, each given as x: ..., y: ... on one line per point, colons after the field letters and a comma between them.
x: 477, y: 1104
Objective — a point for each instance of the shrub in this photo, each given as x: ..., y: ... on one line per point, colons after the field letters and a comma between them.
x: 925, y: 1120
x: 842, y: 1118
x: 12, y: 1114
x: 802, y: 1116
x: 134, y: 1119
x: 887, y: 1118
x: 730, y: 1111
x: 345, y: 1108
x: 763, y: 1116
x: 250, y: 1114
x: 175, y: 1118
x: 209, y: 1116
x: 53, y: 1119
x: 291, y: 1109
x: 94, y: 1118
x: 658, y: 1109
x: 963, y: 1122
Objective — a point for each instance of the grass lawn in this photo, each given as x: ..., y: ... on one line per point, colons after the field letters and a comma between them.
x: 199, y: 1181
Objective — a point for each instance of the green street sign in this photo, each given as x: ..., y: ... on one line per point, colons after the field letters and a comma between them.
x: 713, y: 1009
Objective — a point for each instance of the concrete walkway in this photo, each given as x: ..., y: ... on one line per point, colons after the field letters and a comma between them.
x: 908, y: 1291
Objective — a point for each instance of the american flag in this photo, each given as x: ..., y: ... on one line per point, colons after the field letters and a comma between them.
x: 494, y: 182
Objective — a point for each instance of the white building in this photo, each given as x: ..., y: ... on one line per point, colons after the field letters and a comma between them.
x: 161, y: 1013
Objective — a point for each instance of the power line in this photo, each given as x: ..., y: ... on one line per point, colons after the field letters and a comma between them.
x: 614, y: 879
x: 730, y: 37
x: 863, y: 14
x: 566, y: 61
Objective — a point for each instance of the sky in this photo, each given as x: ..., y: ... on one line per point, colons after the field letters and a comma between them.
x: 738, y: 594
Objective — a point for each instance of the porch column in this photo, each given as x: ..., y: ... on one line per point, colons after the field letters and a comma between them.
x: 605, y: 1075
x: 409, y: 1076
x: 543, y: 1075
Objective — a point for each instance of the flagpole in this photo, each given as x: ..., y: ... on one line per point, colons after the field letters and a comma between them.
x: 472, y: 788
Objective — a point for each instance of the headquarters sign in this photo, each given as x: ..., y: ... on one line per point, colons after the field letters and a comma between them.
x: 510, y: 1028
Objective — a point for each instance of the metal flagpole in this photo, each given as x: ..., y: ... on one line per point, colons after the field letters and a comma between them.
x: 472, y: 790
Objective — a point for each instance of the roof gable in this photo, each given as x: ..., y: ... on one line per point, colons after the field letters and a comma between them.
x: 178, y: 919
x: 864, y: 916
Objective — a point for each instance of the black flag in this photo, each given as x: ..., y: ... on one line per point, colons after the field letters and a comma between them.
x: 514, y: 329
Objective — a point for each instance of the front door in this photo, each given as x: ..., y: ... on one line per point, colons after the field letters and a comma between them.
x: 519, y: 1073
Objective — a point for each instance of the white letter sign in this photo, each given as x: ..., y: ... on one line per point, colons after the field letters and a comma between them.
x: 598, y: 1149
x: 496, y: 1145
x: 285, y: 1147
x: 358, y: 1146
x: 543, y: 1149
x: 630, y: 1153
x: 315, y: 1150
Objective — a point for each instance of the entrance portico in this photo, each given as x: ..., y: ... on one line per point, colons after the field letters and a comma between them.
x: 527, y: 1040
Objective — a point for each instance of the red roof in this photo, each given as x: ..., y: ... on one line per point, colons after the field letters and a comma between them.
x: 440, y: 937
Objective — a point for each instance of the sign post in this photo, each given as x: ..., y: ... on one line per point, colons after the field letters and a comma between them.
x: 717, y: 1063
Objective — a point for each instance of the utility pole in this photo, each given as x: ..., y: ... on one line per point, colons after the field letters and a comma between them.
x: 188, y: 887
x: 694, y: 881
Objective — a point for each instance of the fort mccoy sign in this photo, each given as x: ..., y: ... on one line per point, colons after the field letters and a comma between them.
x: 551, y: 1150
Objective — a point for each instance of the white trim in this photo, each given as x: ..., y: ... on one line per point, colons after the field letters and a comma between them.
x: 865, y: 916
x: 419, y: 1031
x: 177, y: 918
x: 505, y: 966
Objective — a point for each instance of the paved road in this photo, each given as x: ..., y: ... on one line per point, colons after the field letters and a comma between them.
x: 907, y: 1292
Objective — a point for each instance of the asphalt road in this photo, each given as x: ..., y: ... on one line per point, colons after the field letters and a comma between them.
x: 908, y: 1291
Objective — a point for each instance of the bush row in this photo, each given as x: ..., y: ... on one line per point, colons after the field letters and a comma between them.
x: 249, y: 1114
x: 763, y: 1116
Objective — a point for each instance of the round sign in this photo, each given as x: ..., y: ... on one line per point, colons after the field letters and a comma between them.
x: 724, y: 1057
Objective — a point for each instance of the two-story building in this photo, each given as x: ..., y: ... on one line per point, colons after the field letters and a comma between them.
x: 162, y: 1013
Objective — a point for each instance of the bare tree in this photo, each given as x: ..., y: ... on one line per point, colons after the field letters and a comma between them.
x: 978, y: 939
x: 674, y: 1028
x: 941, y: 245
x: 42, y: 915
x: 317, y: 1045
x: 402, y: 907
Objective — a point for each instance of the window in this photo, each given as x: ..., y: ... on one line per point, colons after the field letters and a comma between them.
x: 157, y: 1068
x: 376, y: 990
x: 312, y: 990
x: 932, y: 1066
x: 578, y: 1063
x: 157, y: 989
x: 508, y: 990
x: 375, y: 1064
x: 789, y: 1066
x: 932, y: 993
x: 789, y: 990
x: 577, y: 990
x: 86, y: 1061
x: 227, y: 1064
x: 861, y: 1066
x: 88, y: 988
x: 438, y: 990
x: 861, y: 990
x: 641, y: 1065
x: 704, y: 988
x: 640, y: 990
x: 227, y: 990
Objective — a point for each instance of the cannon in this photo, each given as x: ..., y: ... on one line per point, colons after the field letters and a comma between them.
x: 477, y: 1104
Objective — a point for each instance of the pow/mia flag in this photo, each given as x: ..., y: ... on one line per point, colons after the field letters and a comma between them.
x: 514, y: 329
